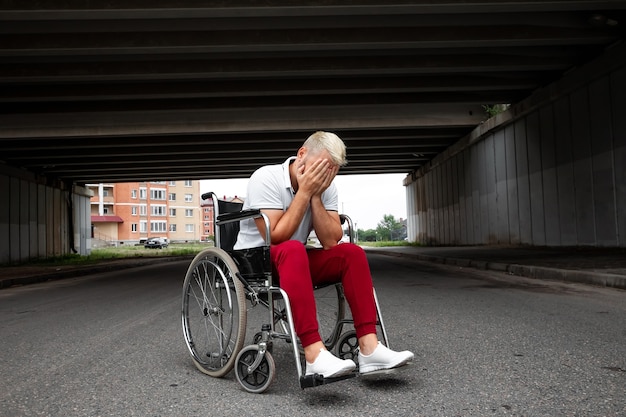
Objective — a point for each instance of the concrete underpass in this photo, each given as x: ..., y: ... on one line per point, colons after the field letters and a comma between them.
x: 110, y: 91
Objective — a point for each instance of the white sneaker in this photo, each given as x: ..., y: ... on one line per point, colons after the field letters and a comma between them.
x: 383, y: 358
x: 329, y: 366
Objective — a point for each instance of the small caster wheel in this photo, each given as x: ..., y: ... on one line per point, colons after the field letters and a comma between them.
x: 259, y: 379
x: 348, y: 346
x: 258, y: 338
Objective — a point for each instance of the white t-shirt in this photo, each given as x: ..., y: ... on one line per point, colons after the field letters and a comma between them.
x: 269, y: 188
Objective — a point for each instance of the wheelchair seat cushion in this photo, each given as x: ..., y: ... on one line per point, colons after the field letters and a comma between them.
x: 254, y: 264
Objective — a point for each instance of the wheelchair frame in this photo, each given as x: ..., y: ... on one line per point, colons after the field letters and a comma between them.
x: 218, y: 279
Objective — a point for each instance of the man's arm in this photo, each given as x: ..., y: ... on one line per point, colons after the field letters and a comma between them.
x: 311, y: 184
x: 283, y: 224
x: 326, y: 223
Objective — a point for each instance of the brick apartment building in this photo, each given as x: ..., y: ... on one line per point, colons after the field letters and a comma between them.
x: 126, y: 213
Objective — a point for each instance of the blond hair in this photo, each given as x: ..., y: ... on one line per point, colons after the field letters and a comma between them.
x: 330, y: 142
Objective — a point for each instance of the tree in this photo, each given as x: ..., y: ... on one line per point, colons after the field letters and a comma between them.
x: 368, y: 235
x: 389, y: 228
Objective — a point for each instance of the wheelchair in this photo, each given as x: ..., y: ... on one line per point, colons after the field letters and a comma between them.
x: 219, y: 286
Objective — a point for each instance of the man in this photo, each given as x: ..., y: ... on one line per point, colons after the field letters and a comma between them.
x: 299, y: 196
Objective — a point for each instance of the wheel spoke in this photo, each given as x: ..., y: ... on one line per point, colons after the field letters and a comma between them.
x: 213, y: 323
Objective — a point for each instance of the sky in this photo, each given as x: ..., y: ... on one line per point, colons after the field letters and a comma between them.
x: 365, y: 198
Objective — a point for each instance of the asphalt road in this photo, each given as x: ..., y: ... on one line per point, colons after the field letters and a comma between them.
x: 486, y: 345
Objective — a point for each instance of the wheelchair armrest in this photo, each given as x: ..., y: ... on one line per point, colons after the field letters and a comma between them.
x: 344, y: 218
x: 238, y: 215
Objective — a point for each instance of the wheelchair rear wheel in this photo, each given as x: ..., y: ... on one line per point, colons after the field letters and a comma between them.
x: 331, y: 311
x: 213, y: 312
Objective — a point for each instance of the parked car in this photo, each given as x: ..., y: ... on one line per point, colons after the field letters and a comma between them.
x: 156, y: 243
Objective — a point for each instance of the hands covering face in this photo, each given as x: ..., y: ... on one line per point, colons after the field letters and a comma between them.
x: 315, y: 174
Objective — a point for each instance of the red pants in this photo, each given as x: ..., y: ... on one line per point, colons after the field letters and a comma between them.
x: 299, y: 269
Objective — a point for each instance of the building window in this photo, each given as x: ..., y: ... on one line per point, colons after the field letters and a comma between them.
x: 143, y: 226
x: 188, y: 198
x: 133, y: 193
x: 143, y: 210
x: 172, y: 197
x: 133, y: 210
x: 172, y: 227
x: 157, y: 194
x: 105, y: 210
x: 188, y: 212
x: 158, y: 226
x: 187, y: 183
x: 172, y: 212
x: 172, y: 183
x: 143, y: 192
x: 133, y: 227
x: 189, y: 228
x: 158, y: 210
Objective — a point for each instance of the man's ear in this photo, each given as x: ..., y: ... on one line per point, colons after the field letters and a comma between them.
x: 301, y: 152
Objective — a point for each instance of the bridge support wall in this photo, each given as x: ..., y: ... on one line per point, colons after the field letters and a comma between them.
x: 41, y: 218
x: 551, y: 171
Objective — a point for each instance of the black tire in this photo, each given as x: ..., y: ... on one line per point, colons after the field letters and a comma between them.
x: 213, y: 312
x: 348, y: 346
x: 331, y: 309
x: 259, y: 379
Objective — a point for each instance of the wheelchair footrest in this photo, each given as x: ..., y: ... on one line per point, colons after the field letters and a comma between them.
x: 310, y: 381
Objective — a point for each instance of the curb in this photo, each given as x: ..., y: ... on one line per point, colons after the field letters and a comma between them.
x: 85, y: 270
x: 600, y: 279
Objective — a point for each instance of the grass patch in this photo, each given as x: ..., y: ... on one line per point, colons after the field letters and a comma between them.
x: 119, y: 252
x: 386, y: 243
x: 174, y: 249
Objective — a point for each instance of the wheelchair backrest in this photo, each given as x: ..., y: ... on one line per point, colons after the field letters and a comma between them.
x: 228, y: 232
x: 254, y: 263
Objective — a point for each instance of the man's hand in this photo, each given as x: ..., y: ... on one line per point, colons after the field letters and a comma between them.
x: 313, y: 176
x: 316, y: 178
x: 331, y: 173
x: 325, y: 223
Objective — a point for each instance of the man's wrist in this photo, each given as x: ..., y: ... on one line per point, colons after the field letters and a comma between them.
x: 304, y: 195
x: 317, y: 198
